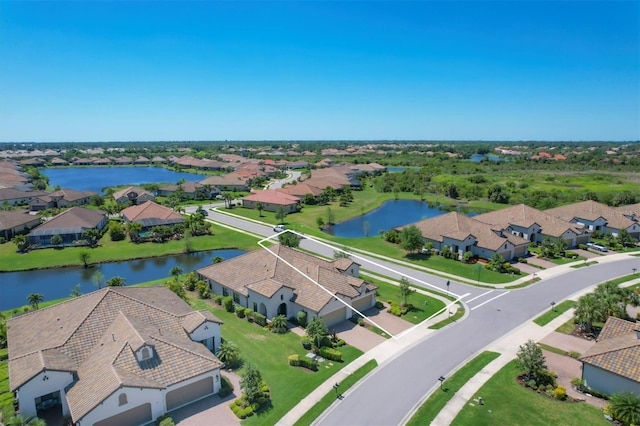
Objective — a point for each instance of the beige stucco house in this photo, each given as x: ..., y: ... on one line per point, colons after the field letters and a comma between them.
x: 117, y: 356
x: 285, y: 284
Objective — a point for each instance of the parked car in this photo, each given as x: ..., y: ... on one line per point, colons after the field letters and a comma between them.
x: 598, y: 247
x: 279, y: 228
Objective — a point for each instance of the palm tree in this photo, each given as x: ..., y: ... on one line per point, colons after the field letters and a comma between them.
x: 134, y: 228
x: 84, y: 258
x: 227, y: 199
x: 115, y: 282
x: 19, y: 420
x: 625, y: 407
x: 34, y: 299
x: 175, y: 272
x: 260, y: 207
x: 21, y: 242
x: 92, y: 236
x: 228, y: 353
x: 279, y: 324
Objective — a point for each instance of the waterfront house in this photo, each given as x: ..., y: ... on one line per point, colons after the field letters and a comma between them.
x: 61, y: 199
x: 268, y: 283
x: 116, y: 356
x: 70, y: 225
x: 271, y: 200
x: 13, y: 222
x: 151, y: 214
x: 133, y: 195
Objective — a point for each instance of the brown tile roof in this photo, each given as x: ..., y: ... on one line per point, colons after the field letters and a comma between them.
x: 151, y: 213
x: 457, y: 226
x: 630, y: 210
x: 71, y: 194
x: 15, y: 194
x: 617, y: 349
x: 188, y: 187
x: 224, y: 180
x: 272, y: 196
x: 301, y: 189
x: 525, y: 216
x: 592, y: 210
x: 12, y: 218
x: 265, y: 273
x: 95, y: 335
x: 125, y: 191
x: 75, y: 217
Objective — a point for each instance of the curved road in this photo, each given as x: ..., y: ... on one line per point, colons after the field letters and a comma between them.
x: 401, y: 383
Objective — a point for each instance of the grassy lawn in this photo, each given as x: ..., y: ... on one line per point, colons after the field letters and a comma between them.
x: 436, y: 402
x: 507, y: 403
x: 315, y: 411
x: 269, y: 352
x: 580, y: 265
x: 6, y: 397
x: 552, y: 314
x: 423, y: 305
x: 109, y: 251
x: 453, y: 318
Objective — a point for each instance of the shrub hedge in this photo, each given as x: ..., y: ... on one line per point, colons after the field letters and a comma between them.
x: 297, y: 361
x: 330, y: 354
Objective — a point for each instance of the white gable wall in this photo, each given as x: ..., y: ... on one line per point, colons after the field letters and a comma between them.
x: 135, y: 397
x: 38, y: 386
x: 209, y: 332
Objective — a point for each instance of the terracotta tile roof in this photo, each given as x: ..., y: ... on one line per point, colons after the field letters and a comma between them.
x: 592, y: 210
x: 95, y: 335
x: 525, y: 216
x: 264, y: 273
x: 272, y: 196
x: 150, y: 213
x: 301, y: 189
x: 617, y: 349
x: 457, y: 226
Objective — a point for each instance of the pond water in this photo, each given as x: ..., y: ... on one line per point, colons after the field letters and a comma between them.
x: 59, y: 282
x: 476, y: 158
x: 389, y: 215
x: 97, y: 178
x: 401, y: 169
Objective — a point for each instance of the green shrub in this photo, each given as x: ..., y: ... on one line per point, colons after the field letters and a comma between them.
x: 307, y: 343
x: 360, y: 322
x: 379, y: 304
x: 240, y: 311
x: 298, y: 361
x: 228, y: 304
x: 226, y: 388
x: 574, y: 354
x: 546, y: 377
x: 248, y: 312
x: 218, y: 300
x: 260, y: 319
x: 582, y: 246
x: 330, y: 354
x: 302, y: 318
x: 340, y: 343
x: 397, y: 310
x: 165, y: 420
x: 531, y: 384
x: 560, y: 393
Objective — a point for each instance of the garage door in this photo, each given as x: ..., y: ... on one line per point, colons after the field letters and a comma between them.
x: 363, y: 304
x: 186, y: 394
x: 335, y: 317
x: 135, y: 416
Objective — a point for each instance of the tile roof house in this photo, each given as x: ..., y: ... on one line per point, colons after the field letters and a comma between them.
x: 120, y: 355
x: 16, y: 197
x: 70, y: 225
x: 612, y: 365
x: 271, y: 286
x: 461, y: 233
x: 301, y: 189
x: 228, y: 182
x: 151, y: 214
x: 14, y: 222
x: 535, y: 225
x: 191, y: 190
x: 271, y: 200
x: 132, y: 195
x: 596, y: 216
x: 62, y: 198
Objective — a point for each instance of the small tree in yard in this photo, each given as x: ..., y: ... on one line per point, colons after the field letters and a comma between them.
x: 260, y: 207
x: 35, y: 299
x: 316, y: 330
x: 250, y: 383
x: 56, y: 240
x: 289, y: 239
x: 116, y: 282
x: 411, y: 239
x: 84, y: 258
x: 320, y: 222
x: 281, y: 213
x: 625, y: 407
x: 405, y: 290
x: 530, y: 360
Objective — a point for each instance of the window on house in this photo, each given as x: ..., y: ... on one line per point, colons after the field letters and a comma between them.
x: 122, y: 398
x: 146, y: 353
x: 236, y: 298
x: 225, y: 293
x: 255, y: 307
x: 282, y: 297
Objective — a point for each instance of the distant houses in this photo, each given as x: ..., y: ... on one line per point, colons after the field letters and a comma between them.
x: 61, y: 199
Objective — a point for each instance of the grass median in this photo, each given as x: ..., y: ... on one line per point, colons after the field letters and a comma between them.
x: 554, y: 312
x: 437, y: 401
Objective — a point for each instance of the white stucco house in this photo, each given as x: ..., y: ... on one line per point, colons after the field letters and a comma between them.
x: 117, y: 356
x: 596, y: 216
x: 612, y: 365
x: 286, y: 284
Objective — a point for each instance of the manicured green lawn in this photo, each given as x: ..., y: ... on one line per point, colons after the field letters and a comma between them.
x: 6, y: 397
x: 508, y: 403
x: 109, y: 251
x: 423, y: 305
x: 552, y: 314
x: 436, y: 402
x: 315, y: 411
x: 269, y: 352
x: 453, y: 318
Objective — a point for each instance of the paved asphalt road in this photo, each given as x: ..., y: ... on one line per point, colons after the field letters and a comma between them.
x: 400, y: 384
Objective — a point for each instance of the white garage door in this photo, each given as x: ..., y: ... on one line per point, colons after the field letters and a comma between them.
x: 333, y: 318
x: 364, y: 303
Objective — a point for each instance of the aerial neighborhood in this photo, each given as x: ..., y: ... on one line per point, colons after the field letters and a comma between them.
x: 297, y: 299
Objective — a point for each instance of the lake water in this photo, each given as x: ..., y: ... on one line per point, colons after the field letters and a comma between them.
x: 476, y: 158
x: 388, y: 216
x: 58, y: 283
x: 97, y: 178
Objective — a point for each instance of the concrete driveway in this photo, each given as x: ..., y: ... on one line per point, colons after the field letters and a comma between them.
x: 210, y: 410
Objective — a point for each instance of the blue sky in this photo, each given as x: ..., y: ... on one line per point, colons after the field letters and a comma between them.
x: 261, y: 70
